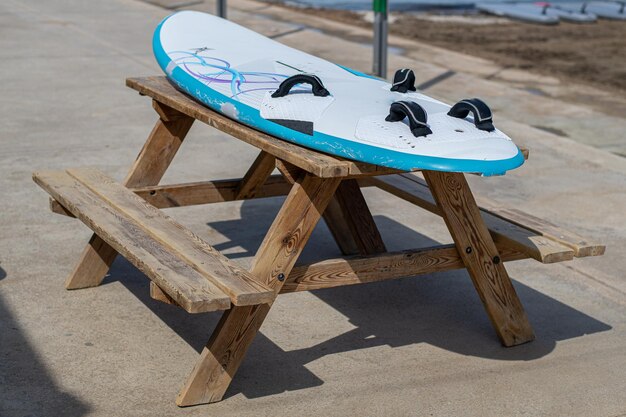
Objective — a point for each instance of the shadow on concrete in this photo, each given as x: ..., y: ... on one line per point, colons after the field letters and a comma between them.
x: 440, y: 309
x: 26, y: 387
x: 3, y: 274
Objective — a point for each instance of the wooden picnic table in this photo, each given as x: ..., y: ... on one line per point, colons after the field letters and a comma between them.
x: 186, y: 271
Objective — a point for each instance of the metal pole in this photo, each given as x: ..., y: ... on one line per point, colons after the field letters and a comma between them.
x: 221, y: 8
x: 381, y: 11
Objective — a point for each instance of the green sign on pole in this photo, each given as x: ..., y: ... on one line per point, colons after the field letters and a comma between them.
x: 380, y: 6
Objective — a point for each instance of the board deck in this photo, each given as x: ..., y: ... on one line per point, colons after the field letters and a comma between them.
x: 234, y: 70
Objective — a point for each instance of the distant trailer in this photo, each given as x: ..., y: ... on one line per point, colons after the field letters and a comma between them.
x: 553, y: 9
x: 603, y: 9
x: 519, y: 12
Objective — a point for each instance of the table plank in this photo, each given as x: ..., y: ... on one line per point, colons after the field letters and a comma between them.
x: 317, y: 163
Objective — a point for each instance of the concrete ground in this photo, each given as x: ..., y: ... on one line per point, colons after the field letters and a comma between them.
x: 408, y: 347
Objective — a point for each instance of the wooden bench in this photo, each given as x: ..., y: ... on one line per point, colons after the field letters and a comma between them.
x: 186, y: 271
x: 183, y: 266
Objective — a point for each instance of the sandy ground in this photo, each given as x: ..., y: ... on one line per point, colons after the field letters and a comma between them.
x: 593, y: 54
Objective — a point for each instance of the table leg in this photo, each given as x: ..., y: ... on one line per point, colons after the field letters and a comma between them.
x: 339, y: 229
x: 273, y: 262
x: 347, y: 216
x: 352, y: 215
x: 148, y: 169
x: 256, y: 176
x: 480, y: 256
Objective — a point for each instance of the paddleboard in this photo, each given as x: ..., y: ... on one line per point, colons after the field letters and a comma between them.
x: 523, y: 12
x: 603, y: 9
x: 324, y: 106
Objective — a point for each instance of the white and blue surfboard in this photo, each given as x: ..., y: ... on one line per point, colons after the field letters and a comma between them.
x: 263, y: 84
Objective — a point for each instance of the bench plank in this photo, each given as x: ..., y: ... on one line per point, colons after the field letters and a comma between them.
x: 179, y: 280
x: 542, y: 240
x: 581, y: 246
x: 503, y: 232
x: 234, y: 281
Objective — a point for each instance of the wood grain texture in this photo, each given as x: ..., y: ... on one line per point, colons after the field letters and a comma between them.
x: 333, y: 215
x: 148, y: 169
x: 162, y: 91
x: 201, y: 192
x: 256, y: 176
x: 273, y: 262
x: 57, y: 208
x: 362, y: 169
x: 238, y: 284
x: 525, y: 151
x: 208, y: 192
x: 502, y: 231
x: 178, y: 279
x: 581, y: 247
x: 166, y: 113
x: 318, y: 164
x: 351, y: 223
x: 290, y: 172
x: 156, y: 293
x: 381, y: 267
x: 292, y: 228
x: 480, y: 256
x: 339, y: 229
x: 158, y: 152
x: 358, y: 218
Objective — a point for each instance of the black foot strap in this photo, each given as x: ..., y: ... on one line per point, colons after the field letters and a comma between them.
x: 414, y: 112
x: 317, y: 87
x: 483, y: 119
x: 403, y: 81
